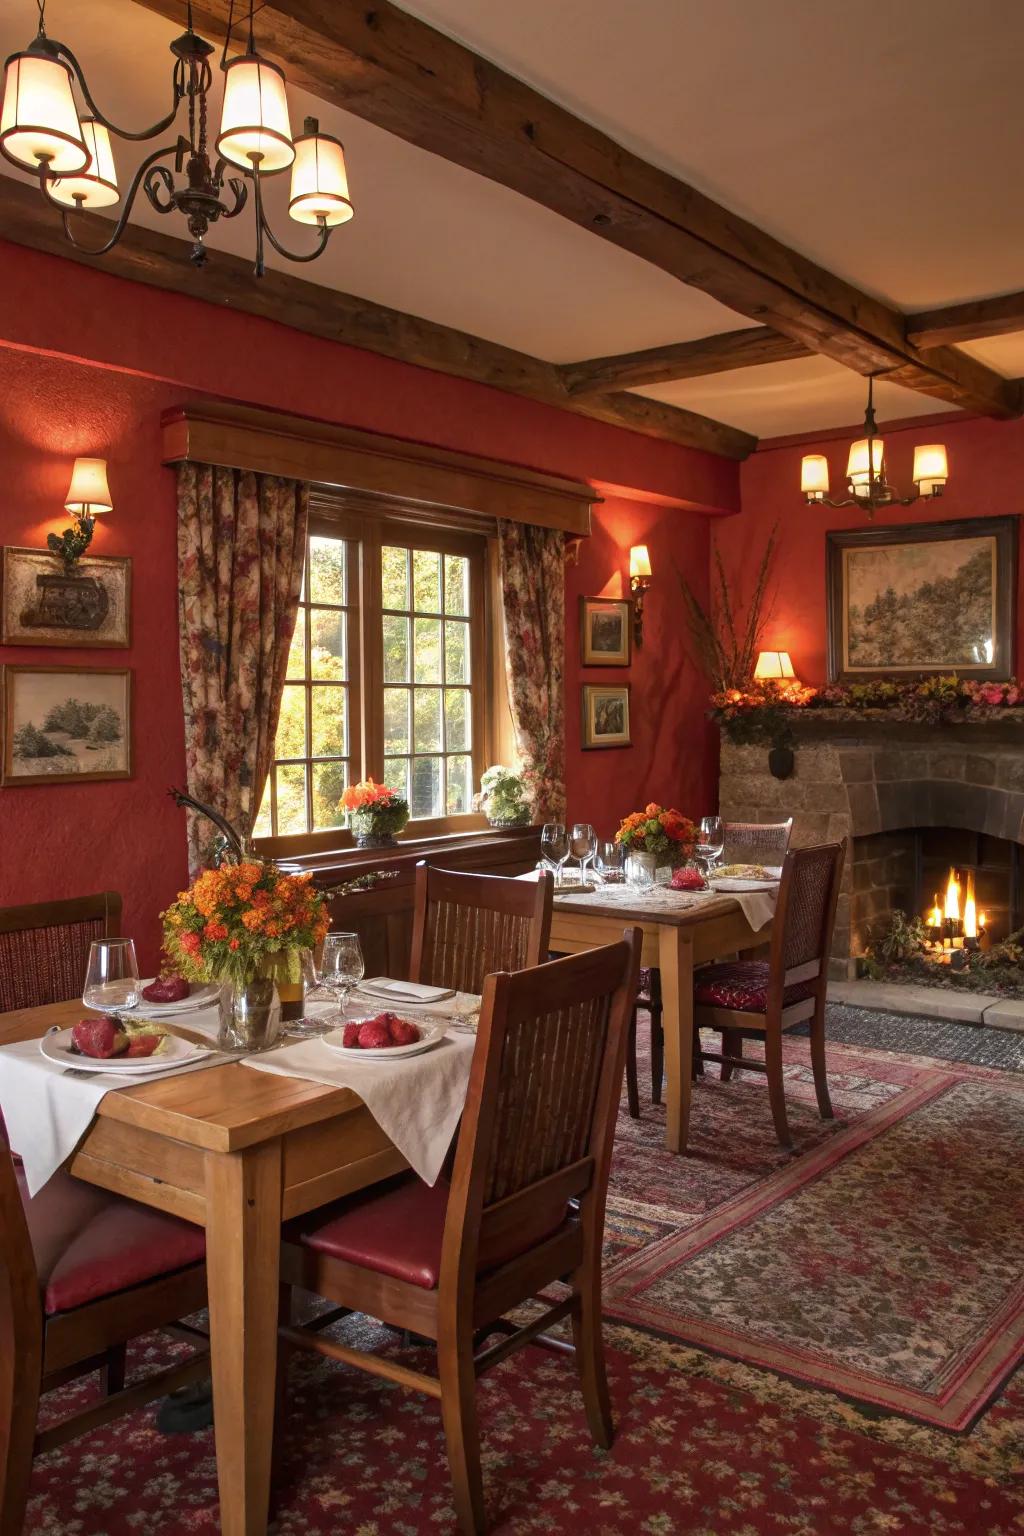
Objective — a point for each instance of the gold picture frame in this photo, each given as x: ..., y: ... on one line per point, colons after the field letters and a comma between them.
x: 41, y: 604
x: 605, y: 712
x: 606, y: 631
x: 65, y: 725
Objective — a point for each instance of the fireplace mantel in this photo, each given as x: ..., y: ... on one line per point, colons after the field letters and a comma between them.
x: 877, y: 724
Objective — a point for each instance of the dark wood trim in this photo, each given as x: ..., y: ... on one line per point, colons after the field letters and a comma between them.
x: 394, y: 70
x: 1005, y: 531
x: 966, y: 322
x: 162, y: 261
x: 683, y: 360
x: 273, y: 443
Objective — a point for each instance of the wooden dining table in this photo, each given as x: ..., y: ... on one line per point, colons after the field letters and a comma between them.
x: 676, y: 941
x: 237, y: 1152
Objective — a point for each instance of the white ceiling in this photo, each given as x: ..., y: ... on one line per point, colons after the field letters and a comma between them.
x: 875, y: 140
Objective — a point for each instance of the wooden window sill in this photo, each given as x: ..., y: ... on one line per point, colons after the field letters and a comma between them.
x: 489, y: 848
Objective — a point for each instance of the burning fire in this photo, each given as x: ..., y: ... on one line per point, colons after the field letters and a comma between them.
x: 959, y: 906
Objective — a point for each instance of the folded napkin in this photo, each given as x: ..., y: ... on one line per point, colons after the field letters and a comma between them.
x: 48, y: 1109
x: 403, y: 991
x: 416, y: 1100
x: 459, y: 1007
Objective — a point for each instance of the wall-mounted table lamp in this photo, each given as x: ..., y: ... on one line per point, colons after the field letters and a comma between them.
x: 639, y: 581
x: 774, y: 667
x: 88, y: 497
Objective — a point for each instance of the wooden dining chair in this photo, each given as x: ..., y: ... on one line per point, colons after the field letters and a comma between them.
x: 764, y: 998
x: 81, y: 1273
x: 448, y: 1262
x: 466, y: 926
x: 752, y: 842
x: 44, y: 948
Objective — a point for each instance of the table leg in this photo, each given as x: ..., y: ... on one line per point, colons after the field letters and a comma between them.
x: 675, y: 957
x: 243, y: 1237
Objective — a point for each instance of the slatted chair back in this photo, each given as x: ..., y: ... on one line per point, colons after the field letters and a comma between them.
x: 805, y: 914
x: 44, y: 948
x: 467, y: 926
x: 540, y: 1112
x: 751, y: 842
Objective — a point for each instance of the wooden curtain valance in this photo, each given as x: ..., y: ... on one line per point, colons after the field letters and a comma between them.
x: 275, y: 444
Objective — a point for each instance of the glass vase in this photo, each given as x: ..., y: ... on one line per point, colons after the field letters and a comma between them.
x: 641, y: 869
x: 250, y: 1017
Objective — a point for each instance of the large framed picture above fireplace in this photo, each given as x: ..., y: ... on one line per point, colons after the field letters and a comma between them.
x: 922, y: 599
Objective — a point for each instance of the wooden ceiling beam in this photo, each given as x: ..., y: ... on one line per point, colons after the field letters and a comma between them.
x: 162, y: 261
x: 384, y: 65
x: 682, y: 360
x: 966, y: 322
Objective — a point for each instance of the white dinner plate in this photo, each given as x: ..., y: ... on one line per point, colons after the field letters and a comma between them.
x: 430, y: 1035
x: 728, y: 885
x: 176, y: 1053
x: 202, y: 995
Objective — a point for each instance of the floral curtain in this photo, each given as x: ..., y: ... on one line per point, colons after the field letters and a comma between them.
x: 241, y: 548
x: 533, y: 584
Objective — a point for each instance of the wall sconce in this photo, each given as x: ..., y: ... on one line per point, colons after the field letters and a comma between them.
x: 639, y: 581
x: 88, y: 496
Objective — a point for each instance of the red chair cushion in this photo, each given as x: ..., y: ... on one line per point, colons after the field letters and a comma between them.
x: 88, y: 1244
x: 742, y: 985
x: 399, y: 1232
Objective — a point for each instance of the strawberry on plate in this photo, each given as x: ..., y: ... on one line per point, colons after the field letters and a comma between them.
x: 350, y: 1038
x: 374, y: 1035
x: 402, y: 1031
x: 101, y: 1037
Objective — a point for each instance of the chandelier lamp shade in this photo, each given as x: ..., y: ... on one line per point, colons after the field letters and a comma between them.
x: 71, y: 153
x: 865, y: 472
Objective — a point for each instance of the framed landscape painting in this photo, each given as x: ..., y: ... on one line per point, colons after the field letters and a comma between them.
x: 606, y: 715
x: 922, y: 599
x: 606, y: 629
x: 41, y: 604
x: 66, y: 725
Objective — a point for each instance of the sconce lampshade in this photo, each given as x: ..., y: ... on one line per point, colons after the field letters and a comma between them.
x: 38, y: 121
x: 255, y: 131
x: 931, y: 468
x: 774, y: 666
x: 857, y: 465
x: 814, y: 475
x: 88, y: 493
x: 319, y: 179
x: 639, y: 561
x: 96, y: 187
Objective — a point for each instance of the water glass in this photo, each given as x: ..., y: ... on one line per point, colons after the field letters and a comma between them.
x: 112, y: 975
x: 610, y: 863
x: 309, y: 1025
x: 341, y: 968
x: 711, y: 841
x: 583, y: 842
x: 554, y: 845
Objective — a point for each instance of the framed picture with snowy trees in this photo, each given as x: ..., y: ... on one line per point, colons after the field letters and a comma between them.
x: 65, y: 725
x: 922, y: 599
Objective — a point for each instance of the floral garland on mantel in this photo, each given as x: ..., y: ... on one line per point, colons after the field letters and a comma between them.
x: 767, y: 711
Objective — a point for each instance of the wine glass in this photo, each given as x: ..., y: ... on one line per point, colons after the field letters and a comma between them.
x: 712, y: 840
x: 341, y: 968
x: 310, y: 1025
x: 583, y: 842
x: 554, y: 845
x: 610, y: 863
x: 112, y: 975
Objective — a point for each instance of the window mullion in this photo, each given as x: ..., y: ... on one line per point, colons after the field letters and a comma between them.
x: 371, y: 632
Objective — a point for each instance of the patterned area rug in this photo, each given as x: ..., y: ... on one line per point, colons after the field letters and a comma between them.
x: 886, y: 1262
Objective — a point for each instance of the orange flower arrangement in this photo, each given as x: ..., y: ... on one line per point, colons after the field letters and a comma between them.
x: 667, y: 833
x: 244, y: 920
x: 375, y: 809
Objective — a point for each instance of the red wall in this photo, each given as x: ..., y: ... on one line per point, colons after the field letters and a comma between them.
x: 92, y: 373
x: 986, y: 468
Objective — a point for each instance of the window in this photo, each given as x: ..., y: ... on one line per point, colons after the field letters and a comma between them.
x: 386, y: 677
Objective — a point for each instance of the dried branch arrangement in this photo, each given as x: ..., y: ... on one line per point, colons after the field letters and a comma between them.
x: 725, y: 638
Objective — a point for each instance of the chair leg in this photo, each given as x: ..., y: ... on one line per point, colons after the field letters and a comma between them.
x: 776, y: 1086
x: 818, y: 1063
x: 732, y: 1045
x: 462, y: 1430
x: 657, y: 1038
x: 112, y: 1370
x: 285, y: 1317
x: 19, y: 1406
x: 589, y: 1341
x: 632, y: 1089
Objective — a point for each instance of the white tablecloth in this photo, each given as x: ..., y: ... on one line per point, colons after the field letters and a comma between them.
x: 47, y: 1109
x: 758, y: 906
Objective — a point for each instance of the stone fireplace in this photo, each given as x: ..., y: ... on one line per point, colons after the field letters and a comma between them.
x: 910, y: 797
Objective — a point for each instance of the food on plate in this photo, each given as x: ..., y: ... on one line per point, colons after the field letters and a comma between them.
x: 167, y: 989
x: 743, y: 872
x: 688, y: 879
x: 383, y: 1031
x: 107, y: 1036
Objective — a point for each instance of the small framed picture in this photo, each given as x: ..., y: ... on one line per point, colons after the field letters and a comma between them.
x: 66, y: 725
x: 42, y: 604
x: 606, y: 631
x: 605, y: 715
